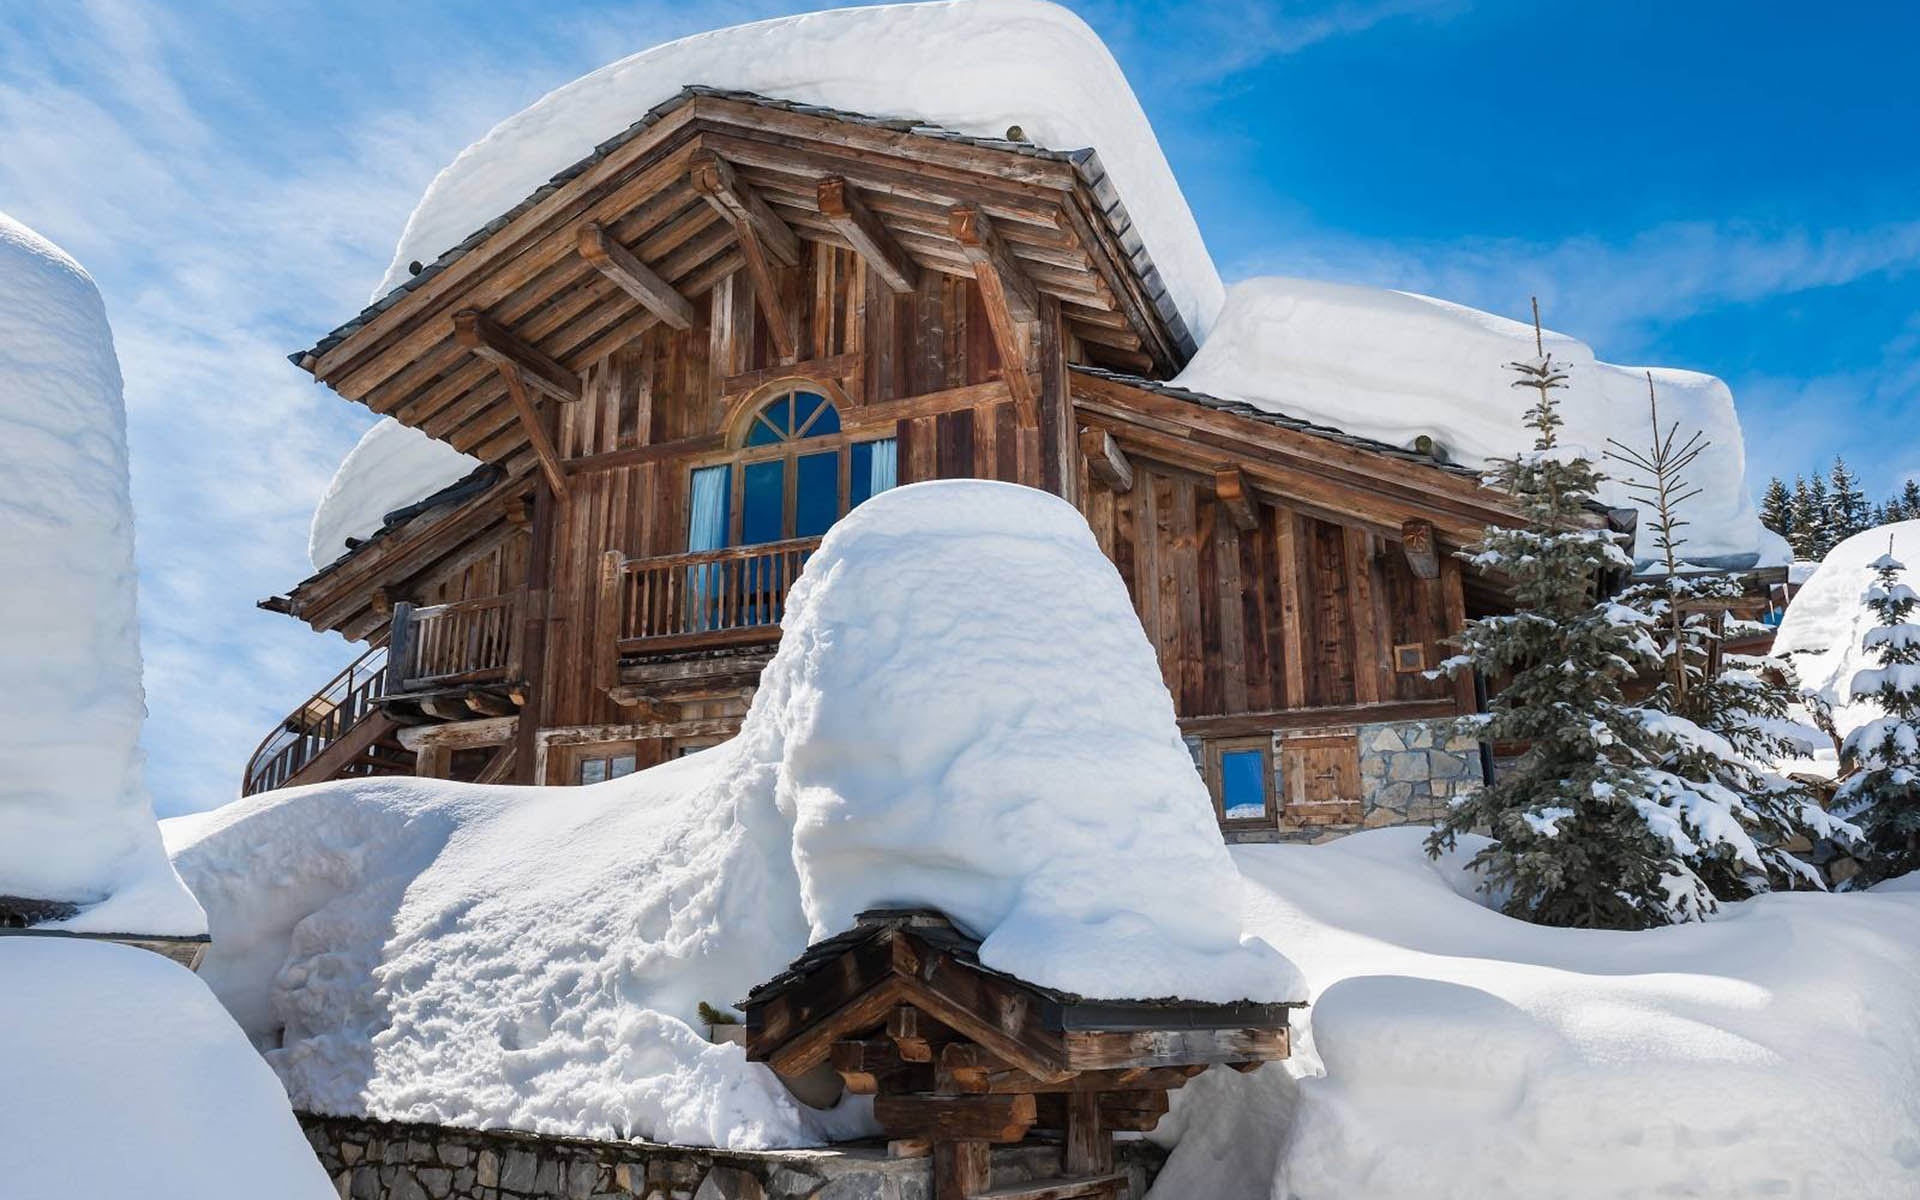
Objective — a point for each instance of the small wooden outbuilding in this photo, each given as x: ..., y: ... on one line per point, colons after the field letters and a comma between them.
x: 960, y: 1057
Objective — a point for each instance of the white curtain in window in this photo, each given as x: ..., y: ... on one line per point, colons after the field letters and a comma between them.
x: 885, y: 471
x: 706, y: 530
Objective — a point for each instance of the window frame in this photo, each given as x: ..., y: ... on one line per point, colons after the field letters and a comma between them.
x: 1216, y: 749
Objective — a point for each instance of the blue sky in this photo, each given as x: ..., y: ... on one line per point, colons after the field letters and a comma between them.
x: 1730, y: 187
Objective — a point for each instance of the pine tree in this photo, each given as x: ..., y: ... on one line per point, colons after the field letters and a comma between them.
x: 1806, y: 522
x: 1882, y: 794
x: 1820, y: 511
x: 1580, y: 833
x: 1905, y: 505
x: 1776, y: 508
x: 1847, y: 512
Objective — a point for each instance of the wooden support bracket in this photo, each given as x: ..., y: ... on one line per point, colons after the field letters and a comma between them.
x: 636, y: 278
x: 536, y: 432
x: 475, y: 331
x: 765, y: 242
x: 1105, y: 461
x: 840, y: 204
x: 1011, y: 301
x: 1423, y: 555
x: 1230, y: 487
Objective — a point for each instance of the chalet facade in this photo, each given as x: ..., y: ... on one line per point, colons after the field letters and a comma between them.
x: 687, y: 356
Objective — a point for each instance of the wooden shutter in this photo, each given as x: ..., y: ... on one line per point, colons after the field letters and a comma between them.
x: 1320, y: 779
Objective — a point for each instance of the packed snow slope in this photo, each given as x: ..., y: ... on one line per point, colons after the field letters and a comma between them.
x: 1823, y: 627
x: 1394, y: 365
x: 974, y: 66
x: 75, y: 823
x: 124, y: 1077
x: 1455, y: 1052
x: 927, y: 734
x: 390, y: 467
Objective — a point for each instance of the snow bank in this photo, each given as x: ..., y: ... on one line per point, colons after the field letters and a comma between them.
x: 1454, y: 1052
x: 390, y: 467
x: 124, y: 1077
x: 927, y: 734
x: 1394, y: 365
x: 75, y: 823
x: 975, y: 66
x: 1824, y: 625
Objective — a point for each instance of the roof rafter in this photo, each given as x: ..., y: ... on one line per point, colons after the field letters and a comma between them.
x: 841, y: 205
x: 635, y: 278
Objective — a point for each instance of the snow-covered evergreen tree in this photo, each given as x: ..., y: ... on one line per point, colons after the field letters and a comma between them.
x: 1776, y: 508
x: 1819, y: 512
x: 1585, y: 827
x: 1847, y: 509
x: 1882, y: 794
x: 1806, y: 521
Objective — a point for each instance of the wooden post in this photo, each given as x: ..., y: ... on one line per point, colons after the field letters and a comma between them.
x: 961, y: 1169
x: 433, y: 761
x: 1089, y: 1146
x: 533, y: 639
x: 606, y: 655
x: 400, y: 647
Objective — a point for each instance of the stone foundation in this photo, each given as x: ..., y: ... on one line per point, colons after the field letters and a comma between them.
x: 378, y: 1160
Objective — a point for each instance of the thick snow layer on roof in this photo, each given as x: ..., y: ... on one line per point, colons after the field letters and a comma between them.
x: 124, y: 1077
x: 973, y: 66
x: 1451, y: 1051
x: 1828, y: 618
x: 927, y: 734
x: 390, y: 467
x: 75, y: 822
x: 1394, y: 365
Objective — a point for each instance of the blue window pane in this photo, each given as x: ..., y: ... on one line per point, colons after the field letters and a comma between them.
x: 808, y: 407
x: 816, y: 494
x: 774, y: 424
x: 762, y: 507
x: 1243, y: 792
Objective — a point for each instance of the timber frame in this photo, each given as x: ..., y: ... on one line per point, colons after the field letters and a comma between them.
x: 959, y: 1057
x: 969, y: 308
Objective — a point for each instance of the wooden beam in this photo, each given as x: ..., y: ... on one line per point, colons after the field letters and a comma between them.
x: 1423, y: 555
x: 479, y: 334
x: 1011, y: 301
x: 713, y: 177
x: 1230, y: 488
x: 854, y: 221
x: 1105, y: 461
x: 635, y: 278
x: 536, y: 432
x: 956, y: 1118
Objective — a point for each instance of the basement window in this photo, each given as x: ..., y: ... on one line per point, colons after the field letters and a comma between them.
x: 601, y: 769
x: 1240, y: 776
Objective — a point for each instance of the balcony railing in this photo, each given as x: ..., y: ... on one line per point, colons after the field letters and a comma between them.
x: 466, y: 642
x: 326, y: 717
x: 707, y: 598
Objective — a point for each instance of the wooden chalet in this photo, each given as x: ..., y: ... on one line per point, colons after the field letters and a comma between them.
x: 686, y: 356
x: 959, y: 1057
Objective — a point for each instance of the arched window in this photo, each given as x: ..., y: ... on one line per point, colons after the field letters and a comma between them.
x: 792, y: 474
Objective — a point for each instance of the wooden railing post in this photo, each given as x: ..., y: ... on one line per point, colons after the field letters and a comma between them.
x: 606, y: 663
x: 400, y: 646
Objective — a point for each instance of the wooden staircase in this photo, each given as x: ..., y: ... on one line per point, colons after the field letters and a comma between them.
x: 341, y: 731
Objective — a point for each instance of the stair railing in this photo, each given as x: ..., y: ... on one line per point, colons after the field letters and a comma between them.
x: 327, y: 716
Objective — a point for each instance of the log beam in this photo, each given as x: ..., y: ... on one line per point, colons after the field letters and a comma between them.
x: 840, y: 204
x: 1105, y: 461
x: 1423, y: 555
x: 956, y: 1118
x: 634, y: 277
x: 1230, y: 488
x: 1011, y: 301
x: 536, y: 432
x: 713, y: 177
x: 481, y: 335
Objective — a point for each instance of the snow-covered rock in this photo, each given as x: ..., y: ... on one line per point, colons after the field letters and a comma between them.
x: 124, y: 1077
x: 75, y: 822
x: 390, y: 467
x: 928, y: 733
x: 1395, y: 365
x: 974, y: 66
x: 1454, y: 1052
x: 1823, y: 628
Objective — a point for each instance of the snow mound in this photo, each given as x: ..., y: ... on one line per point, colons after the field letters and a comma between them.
x: 121, y: 1066
x: 1454, y: 1052
x: 75, y: 823
x: 928, y: 734
x: 390, y: 467
x: 965, y: 713
x: 1394, y: 365
x: 1825, y: 624
x: 974, y: 66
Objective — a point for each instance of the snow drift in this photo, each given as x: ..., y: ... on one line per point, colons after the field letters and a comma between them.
x: 1454, y: 1052
x: 75, y: 823
x: 124, y: 1077
x: 1823, y: 627
x: 927, y: 733
x: 1395, y: 365
x: 390, y: 467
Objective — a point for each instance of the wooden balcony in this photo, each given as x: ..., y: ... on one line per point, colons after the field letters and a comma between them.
x: 707, y: 599
x: 454, y: 645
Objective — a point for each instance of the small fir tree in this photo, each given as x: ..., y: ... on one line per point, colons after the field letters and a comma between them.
x: 1580, y: 834
x: 1776, y: 508
x: 1805, y: 523
x: 1905, y: 504
x: 1847, y: 511
x: 1882, y: 793
x: 1819, y: 512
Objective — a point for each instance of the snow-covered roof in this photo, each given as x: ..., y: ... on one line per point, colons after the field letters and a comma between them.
x: 75, y: 823
x: 1828, y: 618
x: 391, y: 469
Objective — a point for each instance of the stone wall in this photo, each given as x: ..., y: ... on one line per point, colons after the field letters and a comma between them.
x: 378, y: 1160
